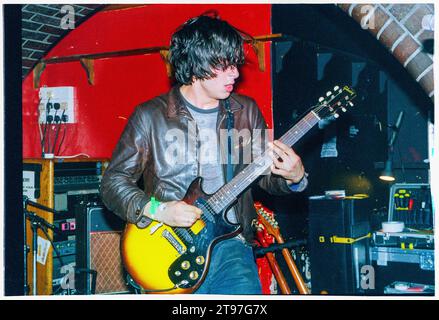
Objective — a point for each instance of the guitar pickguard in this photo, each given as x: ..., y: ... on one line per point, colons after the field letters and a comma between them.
x: 171, y: 259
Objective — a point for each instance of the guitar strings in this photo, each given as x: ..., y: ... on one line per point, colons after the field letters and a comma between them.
x: 257, y: 167
x: 252, y: 171
x: 288, y: 138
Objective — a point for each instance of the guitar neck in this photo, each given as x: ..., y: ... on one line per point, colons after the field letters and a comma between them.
x: 227, y: 194
x: 300, y: 129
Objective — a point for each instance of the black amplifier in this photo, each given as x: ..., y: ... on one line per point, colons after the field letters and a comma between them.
x: 66, y: 247
x: 98, y: 250
x: 70, y: 176
x: 63, y: 274
x: 66, y: 229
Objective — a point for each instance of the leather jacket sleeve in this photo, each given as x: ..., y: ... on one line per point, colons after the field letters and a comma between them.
x: 119, y: 190
x: 274, y: 185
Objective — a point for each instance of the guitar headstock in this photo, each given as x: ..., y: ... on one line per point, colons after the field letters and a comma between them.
x: 336, y: 101
x: 267, y: 218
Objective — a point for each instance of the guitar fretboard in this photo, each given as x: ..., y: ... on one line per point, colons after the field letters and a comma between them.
x: 230, y: 191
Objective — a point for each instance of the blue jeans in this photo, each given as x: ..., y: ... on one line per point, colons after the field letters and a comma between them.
x: 232, y: 270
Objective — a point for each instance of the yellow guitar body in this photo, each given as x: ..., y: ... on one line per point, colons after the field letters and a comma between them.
x: 147, y: 256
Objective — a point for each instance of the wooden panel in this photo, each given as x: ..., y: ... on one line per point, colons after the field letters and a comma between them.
x: 44, y: 272
x: 46, y: 198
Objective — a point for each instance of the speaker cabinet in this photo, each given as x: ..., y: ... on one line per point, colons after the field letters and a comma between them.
x: 51, y: 183
x: 98, y: 251
x: 338, y: 245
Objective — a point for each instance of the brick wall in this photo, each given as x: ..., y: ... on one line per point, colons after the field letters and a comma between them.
x: 399, y: 28
x: 41, y: 29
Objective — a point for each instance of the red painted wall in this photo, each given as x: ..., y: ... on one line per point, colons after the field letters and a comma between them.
x: 121, y: 83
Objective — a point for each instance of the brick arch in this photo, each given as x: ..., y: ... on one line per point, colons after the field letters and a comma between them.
x: 399, y: 28
x: 41, y: 29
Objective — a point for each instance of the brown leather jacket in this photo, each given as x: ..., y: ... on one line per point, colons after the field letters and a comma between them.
x: 140, y: 152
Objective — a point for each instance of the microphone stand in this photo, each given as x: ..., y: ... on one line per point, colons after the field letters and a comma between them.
x: 26, y: 249
x: 395, y: 130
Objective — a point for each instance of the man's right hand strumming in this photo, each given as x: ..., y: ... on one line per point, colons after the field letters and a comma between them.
x: 174, y: 213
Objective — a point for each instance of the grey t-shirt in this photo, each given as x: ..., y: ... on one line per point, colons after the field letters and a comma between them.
x: 210, y: 160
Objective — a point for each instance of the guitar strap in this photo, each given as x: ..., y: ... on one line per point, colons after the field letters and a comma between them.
x: 230, y: 125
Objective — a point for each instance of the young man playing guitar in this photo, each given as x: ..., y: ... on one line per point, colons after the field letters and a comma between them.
x: 205, y: 54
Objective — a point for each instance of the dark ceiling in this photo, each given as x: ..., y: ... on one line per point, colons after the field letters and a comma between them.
x: 42, y: 28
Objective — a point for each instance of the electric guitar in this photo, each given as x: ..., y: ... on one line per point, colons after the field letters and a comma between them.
x: 266, y: 239
x: 164, y: 259
x: 271, y: 225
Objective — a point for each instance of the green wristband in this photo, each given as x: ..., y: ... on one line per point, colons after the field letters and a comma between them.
x: 154, y: 205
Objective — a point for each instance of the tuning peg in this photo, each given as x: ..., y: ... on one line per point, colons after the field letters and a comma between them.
x: 351, y: 103
x: 321, y: 99
x: 328, y: 93
x: 343, y: 109
x: 336, y: 115
x: 336, y: 88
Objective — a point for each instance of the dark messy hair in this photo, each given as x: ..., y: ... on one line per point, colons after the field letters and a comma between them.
x: 203, y: 43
